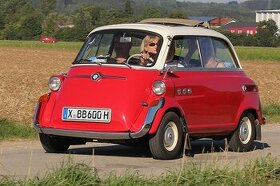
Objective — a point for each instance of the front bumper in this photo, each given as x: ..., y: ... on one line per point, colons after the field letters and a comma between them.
x: 104, y: 135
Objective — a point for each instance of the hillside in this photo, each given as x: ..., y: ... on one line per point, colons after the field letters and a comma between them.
x: 261, y: 4
x: 166, y: 7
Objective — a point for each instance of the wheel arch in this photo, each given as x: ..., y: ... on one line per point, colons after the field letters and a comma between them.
x: 159, y: 117
x: 255, y: 115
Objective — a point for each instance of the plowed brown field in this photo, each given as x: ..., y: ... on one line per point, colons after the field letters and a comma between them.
x: 24, y: 74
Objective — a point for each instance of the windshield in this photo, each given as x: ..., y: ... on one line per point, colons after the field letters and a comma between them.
x: 123, y: 47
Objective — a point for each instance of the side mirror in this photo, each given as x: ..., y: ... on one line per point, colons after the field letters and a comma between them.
x: 168, y: 69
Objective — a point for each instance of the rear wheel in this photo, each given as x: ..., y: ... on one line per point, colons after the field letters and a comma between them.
x: 167, y: 143
x: 243, y: 137
x: 53, y: 144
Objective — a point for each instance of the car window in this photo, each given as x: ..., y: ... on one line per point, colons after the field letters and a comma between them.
x: 184, y: 53
x: 120, y: 47
x: 215, y: 53
x: 223, y: 53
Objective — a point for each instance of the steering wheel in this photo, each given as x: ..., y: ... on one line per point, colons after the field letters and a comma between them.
x: 150, y: 61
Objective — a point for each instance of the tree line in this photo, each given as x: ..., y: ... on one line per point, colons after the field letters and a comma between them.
x: 72, y: 20
x: 267, y: 36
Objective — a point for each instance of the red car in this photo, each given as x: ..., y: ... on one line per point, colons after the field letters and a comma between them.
x: 166, y: 85
x: 44, y: 39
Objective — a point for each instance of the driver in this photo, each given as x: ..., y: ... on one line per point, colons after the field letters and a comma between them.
x: 149, y: 50
x: 121, y: 48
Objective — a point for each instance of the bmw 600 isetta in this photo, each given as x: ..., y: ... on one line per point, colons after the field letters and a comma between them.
x: 163, y: 81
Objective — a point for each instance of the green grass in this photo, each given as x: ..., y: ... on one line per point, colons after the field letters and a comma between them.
x: 258, y: 53
x: 37, y: 44
x: 13, y: 130
x: 272, y: 112
x: 263, y: 171
x: 244, y: 53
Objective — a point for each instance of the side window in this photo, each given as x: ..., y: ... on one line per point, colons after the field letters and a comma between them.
x: 223, y: 53
x: 215, y: 53
x: 183, y: 53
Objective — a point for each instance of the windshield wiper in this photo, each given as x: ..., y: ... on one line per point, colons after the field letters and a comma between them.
x: 82, y: 61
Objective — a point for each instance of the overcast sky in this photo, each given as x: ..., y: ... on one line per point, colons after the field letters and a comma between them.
x: 215, y: 1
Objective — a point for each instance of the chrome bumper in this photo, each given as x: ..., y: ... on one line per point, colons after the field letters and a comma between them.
x: 105, y: 135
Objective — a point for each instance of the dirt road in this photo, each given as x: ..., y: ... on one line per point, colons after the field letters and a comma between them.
x: 27, y: 158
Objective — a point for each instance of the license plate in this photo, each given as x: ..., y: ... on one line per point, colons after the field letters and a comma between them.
x: 86, y: 114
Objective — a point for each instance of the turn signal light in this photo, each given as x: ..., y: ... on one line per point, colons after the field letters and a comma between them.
x: 44, y: 98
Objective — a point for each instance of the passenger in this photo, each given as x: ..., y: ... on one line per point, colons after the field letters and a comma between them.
x: 172, y: 59
x: 121, y: 48
x: 208, y: 54
x: 149, y: 50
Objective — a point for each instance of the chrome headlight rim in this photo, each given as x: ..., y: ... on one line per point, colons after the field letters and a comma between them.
x: 54, y: 83
x: 159, y: 87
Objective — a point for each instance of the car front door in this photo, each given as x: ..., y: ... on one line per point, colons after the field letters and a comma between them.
x: 210, y: 95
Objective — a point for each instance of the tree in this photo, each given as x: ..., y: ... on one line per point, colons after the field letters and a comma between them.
x: 21, y: 20
x: 85, y: 19
x: 151, y: 12
x: 52, y: 22
x: 267, y: 33
x: 31, y: 27
x: 176, y: 15
x: 127, y: 8
x: 48, y: 6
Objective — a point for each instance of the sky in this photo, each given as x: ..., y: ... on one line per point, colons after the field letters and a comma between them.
x: 215, y: 1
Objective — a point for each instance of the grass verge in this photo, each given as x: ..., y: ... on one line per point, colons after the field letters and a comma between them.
x: 13, y: 130
x: 244, y: 53
x: 272, y: 113
x: 37, y: 44
x: 258, y: 53
x: 263, y: 171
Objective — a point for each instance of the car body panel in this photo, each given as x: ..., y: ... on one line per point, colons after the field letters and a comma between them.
x: 209, y: 101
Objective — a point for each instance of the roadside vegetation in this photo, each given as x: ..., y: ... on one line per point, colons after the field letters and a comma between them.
x: 244, y: 53
x: 264, y: 171
x: 36, y: 44
x: 258, y: 54
x: 13, y: 130
x: 272, y: 113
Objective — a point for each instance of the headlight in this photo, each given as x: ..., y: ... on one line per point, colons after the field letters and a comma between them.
x: 54, y: 83
x: 159, y: 87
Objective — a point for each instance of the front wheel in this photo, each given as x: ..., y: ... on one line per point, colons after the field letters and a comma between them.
x: 167, y: 143
x: 243, y: 137
x: 53, y: 144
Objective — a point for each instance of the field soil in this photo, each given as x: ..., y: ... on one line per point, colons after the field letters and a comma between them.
x: 24, y: 75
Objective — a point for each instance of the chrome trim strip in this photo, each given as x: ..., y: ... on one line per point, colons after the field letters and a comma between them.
x: 100, y: 76
x: 81, y: 134
x: 106, y: 135
x: 36, y: 112
x: 149, y: 120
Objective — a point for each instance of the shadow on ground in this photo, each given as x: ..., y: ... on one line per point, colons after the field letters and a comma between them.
x: 198, y: 147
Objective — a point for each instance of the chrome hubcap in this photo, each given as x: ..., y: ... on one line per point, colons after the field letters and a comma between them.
x: 170, y: 136
x: 245, y: 130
